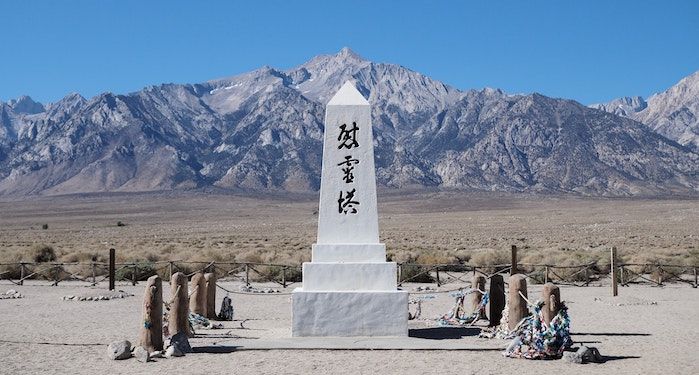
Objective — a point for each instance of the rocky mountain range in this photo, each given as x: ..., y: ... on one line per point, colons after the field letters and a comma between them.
x: 262, y: 131
x: 673, y: 113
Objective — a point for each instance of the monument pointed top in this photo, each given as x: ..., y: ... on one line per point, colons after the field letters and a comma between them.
x: 348, y: 95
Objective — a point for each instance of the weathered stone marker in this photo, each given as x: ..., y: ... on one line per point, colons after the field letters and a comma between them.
x: 517, y: 305
x: 476, y: 298
x: 178, y: 319
x: 551, y: 296
x: 210, y: 279
x: 151, y: 335
x: 497, y: 299
x: 197, y: 300
x: 348, y: 288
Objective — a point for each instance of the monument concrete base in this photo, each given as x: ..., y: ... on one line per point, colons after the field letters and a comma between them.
x: 351, y: 276
x: 349, y: 313
x: 353, y: 252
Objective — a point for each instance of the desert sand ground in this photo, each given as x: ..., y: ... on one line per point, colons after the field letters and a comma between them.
x: 645, y: 330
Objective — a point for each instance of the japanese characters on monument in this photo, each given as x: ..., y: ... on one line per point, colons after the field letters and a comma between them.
x: 348, y: 139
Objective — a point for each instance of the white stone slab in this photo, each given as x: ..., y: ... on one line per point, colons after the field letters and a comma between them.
x: 349, y: 313
x: 332, y: 276
x: 349, y: 252
x: 357, y: 223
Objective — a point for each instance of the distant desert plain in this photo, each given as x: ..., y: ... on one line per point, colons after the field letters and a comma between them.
x: 476, y: 228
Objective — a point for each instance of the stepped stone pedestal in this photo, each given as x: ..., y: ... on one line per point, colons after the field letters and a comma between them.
x: 348, y: 288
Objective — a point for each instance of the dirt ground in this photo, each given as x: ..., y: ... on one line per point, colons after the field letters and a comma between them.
x: 645, y: 330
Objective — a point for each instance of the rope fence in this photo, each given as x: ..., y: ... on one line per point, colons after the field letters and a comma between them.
x: 623, y: 274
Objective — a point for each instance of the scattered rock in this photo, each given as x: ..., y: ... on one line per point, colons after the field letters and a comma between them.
x: 119, y: 350
x: 584, y: 355
x: 572, y: 357
x: 141, y: 354
x: 245, y: 288
x: 181, y: 341
x: 97, y: 297
x: 11, y: 294
x: 592, y: 355
x: 173, y: 351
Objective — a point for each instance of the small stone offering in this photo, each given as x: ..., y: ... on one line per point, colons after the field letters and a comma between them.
x: 141, y: 354
x: 119, y: 350
x: 173, y: 351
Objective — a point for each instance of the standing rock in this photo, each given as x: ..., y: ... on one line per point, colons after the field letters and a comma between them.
x: 151, y: 335
x: 497, y: 299
x: 178, y: 319
x: 119, y: 350
x: 476, y: 297
x: 197, y: 300
x: 210, y: 279
x: 551, y: 296
x: 517, y: 305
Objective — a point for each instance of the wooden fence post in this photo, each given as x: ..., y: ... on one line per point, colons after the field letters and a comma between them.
x: 587, y: 276
x: 478, y: 283
x: 210, y: 279
x: 615, y: 290
x: 551, y: 295
x: 133, y: 275
x: 112, y: 268
x: 400, y: 273
x: 247, y: 274
x: 94, y: 274
x: 517, y: 305
x: 497, y: 299
x: 151, y: 335
x: 546, y: 275
x: 438, y: 282
x: 695, y: 278
x: 178, y: 319
x: 21, y: 273
x: 513, y: 260
x: 621, y: 276
x: 56, y: 273
x: 197, y: 301
x: 284, y: 277
x: 169, y: 271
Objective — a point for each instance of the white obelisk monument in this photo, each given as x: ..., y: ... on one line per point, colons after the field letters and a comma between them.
x: 348, y: 288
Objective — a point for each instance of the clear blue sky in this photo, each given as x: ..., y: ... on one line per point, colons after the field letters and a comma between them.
x: 585, y: 50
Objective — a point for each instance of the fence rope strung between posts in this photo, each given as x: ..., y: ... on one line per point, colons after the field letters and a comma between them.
x: 578, y: 275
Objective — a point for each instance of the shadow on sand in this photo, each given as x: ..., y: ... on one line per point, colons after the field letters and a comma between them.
x: 215, y: 349
x: 607, y: 334
x: 606, y: 358
x: 443, y: 333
